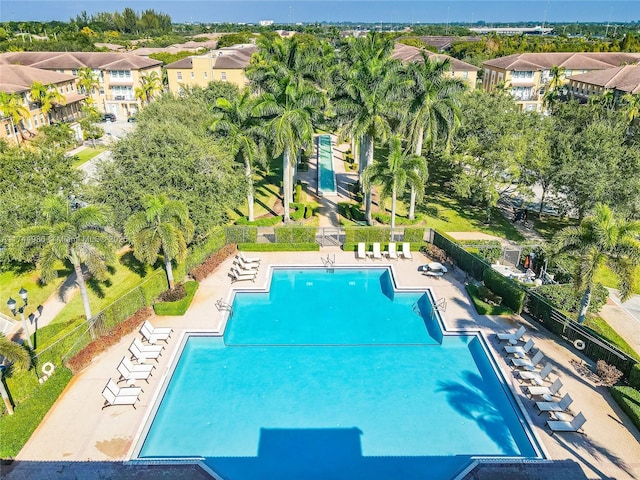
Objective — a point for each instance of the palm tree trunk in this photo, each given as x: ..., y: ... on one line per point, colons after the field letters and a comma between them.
x: 544, y: 194
x: 362, y: 160
x: 286, y: 184
x: 393, y: 210
x: 169, y: 268
x: 77, y: 266
x: 584, y: 305
x: 247, y: 173
x: 5, y: 395
x: 412, y: 204
x: 369, y: 161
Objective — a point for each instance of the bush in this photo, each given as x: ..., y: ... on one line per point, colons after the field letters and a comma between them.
x: 260, y: 222
x: 488, y: 296
x: 565, y: 297
x: 482, y: 307
x: 386, y: 219
x: 99, y: 345
x: 17, y: 428
x: 297, y: 193
x: 512, y: 295
x: 609, y: 374
x: 629, y: 400
x: 178, y: 293
x: 279, y: 247
x: 308, y: 212
x: 634, y: 376
x: 298, y: 211
x: 366, y: 234
x: 295, y: 234
x: 414, y: 234
x: 178, y: 307
x: 434, y: 252
x: 489, y: 250
x: 213, y: 262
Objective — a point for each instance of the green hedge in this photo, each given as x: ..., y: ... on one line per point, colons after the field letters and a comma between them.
x: 482, y: 307
x: 260, y: 222
x: 629, y: 400
x: 512, y: 295
x: 634, y: 376
x: 366, y: 234
x: 385, y: 219
x: 181, y: 306
x: 200, y: 252
x: 295, y: 234
x: 566, y: 298
x: 245, y: 234
x: 489, y: 250
x: 17, y: 428
x: 279, y: 247
x: 414, y: 234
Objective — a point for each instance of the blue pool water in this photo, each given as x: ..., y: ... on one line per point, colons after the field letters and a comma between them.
x: 326, y: 173
x: 297, y: 389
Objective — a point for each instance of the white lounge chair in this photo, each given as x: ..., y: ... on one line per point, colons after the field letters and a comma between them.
x: 560, y: 406
x: 143, y: 352
x: 563, y: 426
x: 392, y: 253
x: 114, y: 395
x: 535, y: 377
x: 130, y: 372
x: 528, y: 363
x: 376, y: 251
x: 246, y: 267
x: 546, y: 392
x: 362, y: 251
x: 237, y: 276
x: 519, y: 350
x: 152, y: 334
x: 247, y: 259
x: 406, y: 250
x: 512, y: 338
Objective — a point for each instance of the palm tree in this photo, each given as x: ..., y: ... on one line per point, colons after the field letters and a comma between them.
x: 150, y: 84
x: 631, y: 103
x: 394, y: 173
x: 236, y: 121
x: 88, y: 81
x: 434, y: 110
x: 74, y: 235
x: 163, y: 227
x: 552, y: 94
x: 290, y: 109
x: 369, y: 104
x: 46, y: 96
x: 16, y: 355
x: 11, y: 106
x: 601, y: 239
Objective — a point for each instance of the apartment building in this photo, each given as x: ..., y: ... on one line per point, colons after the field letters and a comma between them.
x: 526, y: 75
x: 225, y: 65
x: 118, y: 74
x: 459, y: 69
x: 18, y: 79
x: 619, y: 80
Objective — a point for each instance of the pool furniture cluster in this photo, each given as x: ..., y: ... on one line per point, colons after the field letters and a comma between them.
x: 131, y: 372
x: 526, y: 370
x: 434, y: 269
x: 378, y: 254
x: 244, y: 268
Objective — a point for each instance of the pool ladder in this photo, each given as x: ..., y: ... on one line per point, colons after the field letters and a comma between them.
x: 328, y: 262
x: 222, y: 305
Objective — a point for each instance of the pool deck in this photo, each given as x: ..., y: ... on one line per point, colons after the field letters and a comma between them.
x: 76, y: 429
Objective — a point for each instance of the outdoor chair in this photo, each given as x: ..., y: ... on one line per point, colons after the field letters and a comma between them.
x: 143, y: 352
x: 406, y: 250
x: 362, y: 251
x: 392, y: 253
x: 114, y: 395
x: 560, y: 406
x: 519, y: 350
x: 536, y: 377
x: 563, y: 426
x: 528, y: 363
x: 246, y: 267
x: 546, y: 392
x: 237, y: 276
x: 130, y: 372
x: 152, y: 334
x: 247, y: 259
x: 512, y: 338
x: 376, y: 251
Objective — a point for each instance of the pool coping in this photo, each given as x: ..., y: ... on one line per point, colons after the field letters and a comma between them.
x: 512, y: 396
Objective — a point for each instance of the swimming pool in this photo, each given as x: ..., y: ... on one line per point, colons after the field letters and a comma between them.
x: 326, y: 172
x: 308, y: 382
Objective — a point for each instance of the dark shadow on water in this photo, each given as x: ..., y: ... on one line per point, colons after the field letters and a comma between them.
x: 322, y: 454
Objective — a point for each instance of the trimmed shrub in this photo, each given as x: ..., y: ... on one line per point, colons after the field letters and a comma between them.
x: 213, y: 262
x: 308, y: 212
x: 512, y: 295
x: 629, y: 400
x: 434, y: 252
x: 609, y: 374
x: 260, y: 222
x: 566, y: 298
x: 385, y: 219
x: 489, y: 250
x: 279, y: 247
x: 154, y: 286
x: 634, y: 376
x: 297, y: 211
x: 99, y: 345
x: 178, y: 307
x: 297, y: 193
x: 414, y: 234
x: 178, y: 293
x: 366, y: 234
x: 295, y: 234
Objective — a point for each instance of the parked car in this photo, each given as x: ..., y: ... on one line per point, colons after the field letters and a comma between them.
x: 108, y: 117
x: 131, y: 119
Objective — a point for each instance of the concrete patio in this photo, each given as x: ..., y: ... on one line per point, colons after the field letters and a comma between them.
x: 77, y: 429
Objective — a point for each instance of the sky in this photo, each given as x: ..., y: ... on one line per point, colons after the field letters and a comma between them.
x: 388, y: 11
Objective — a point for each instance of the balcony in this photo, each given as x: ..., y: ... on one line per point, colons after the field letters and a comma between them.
x: 121, y: 98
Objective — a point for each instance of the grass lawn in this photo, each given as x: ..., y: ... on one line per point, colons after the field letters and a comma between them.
x: 13, y: 280
x: 601, y: 327
x: 484, y: 308
x: 86, y: 155
x: 125, y: 275
x: 548, y: 226
x: 605, y: 276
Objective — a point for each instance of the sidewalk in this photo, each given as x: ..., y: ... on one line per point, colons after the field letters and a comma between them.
x: 624, y: 318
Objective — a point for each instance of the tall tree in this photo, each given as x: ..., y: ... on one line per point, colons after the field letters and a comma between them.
x: 11, y: 106
x: 16, y: 355
x: 434, y: 110
x: 236, y: 121
x: 601, y: 239
x: 395, y: 173
x: 88, y: 80
x: 164, y: 227
x: 46, y: 96
x: 78, y: 236
x: 150, y: 85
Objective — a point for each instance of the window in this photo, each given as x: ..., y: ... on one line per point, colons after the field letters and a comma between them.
x: 120, y: 74
x: 179, y: 75
x: 223, y: 76
x: 8, y: 130
x: 122, y: 92
x: 193, y: 75
x: 42, y: 118
x: 35, y: 121
x: 465, y: 75
x: 74, y: 71
x: 517, y: 74
x: 205, y: 74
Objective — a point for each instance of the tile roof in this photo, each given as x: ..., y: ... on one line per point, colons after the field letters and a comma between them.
x: 444, y: 43
x: 568, y: 60
x: 19, y: 78
x: 625, y: 78
x: 231, y: 58
x: 186, y: 63
x: 72, y: 60
x: 407, y: 53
